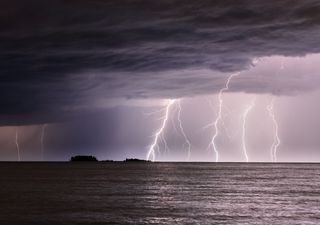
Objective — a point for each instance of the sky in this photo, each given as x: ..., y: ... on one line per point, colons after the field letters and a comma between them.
x: 95, y: 77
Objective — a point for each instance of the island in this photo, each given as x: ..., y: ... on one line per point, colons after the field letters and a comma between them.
x: 90, y: 158
x: 136, y: 160
x: 84, y: 158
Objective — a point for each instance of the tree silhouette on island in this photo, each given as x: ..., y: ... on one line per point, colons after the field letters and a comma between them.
x: 90, y: 158
x: 83, y: 158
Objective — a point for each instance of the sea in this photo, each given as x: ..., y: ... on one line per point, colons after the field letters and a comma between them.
x: 159, y: 193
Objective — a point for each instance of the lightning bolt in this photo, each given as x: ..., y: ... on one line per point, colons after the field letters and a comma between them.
x: 219, y: 117
x: 229, y: 135
x: 158, y: 134
x: 17, y: 144
x: 187, y: 142
x: 276, y: 139
x: 166, y: 147
x: 174, y: 110
x: 43, y: 129
x: 244, y: 120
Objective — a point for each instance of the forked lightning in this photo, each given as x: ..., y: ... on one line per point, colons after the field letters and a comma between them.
x: 276, y: 139
x: 244, y: 123
x: 219, y: 117
x: 151, y: 155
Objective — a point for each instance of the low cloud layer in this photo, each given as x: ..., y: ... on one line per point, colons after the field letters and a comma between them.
x: 58, y: 58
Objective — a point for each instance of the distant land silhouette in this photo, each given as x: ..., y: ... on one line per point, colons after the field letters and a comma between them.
x: 90, y: 158
x: 84, y: 158
x: 136, y: 160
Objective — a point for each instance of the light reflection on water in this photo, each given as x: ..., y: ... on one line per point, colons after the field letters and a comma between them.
x: 159, y: 193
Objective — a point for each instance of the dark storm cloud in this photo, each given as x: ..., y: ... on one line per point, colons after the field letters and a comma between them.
x: 57, y: 56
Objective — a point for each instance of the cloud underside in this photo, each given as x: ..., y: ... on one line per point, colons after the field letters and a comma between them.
x: 58, y: 56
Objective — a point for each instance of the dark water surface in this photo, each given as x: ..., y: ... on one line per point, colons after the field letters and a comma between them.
x: 159, y: 193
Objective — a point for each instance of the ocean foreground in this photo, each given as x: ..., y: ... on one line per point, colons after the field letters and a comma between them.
x: 159, y: 193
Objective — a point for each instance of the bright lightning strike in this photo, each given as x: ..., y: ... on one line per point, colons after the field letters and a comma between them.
x: 229, y: 135
x: 166, y: 147
x: 43, y: 129
x: 173, y: 112
x: 187, y: 142
x: 17, y: 144
x: 151, y: 153
x: 244, y: 120
x: 276, y: 139
x: 219, y: 117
